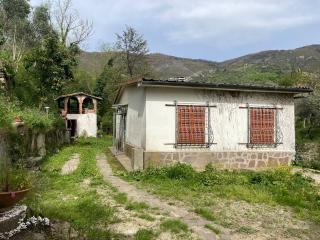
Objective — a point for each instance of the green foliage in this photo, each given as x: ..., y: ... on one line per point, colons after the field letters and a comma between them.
x: 308, y: 116
x: 247, y: 230
x: 144, y: 234
x: 35, y: 119
x: 137, y: 206
x: 173, y: 225
x: 213, y: 229
x: 32, y: 118
x: 41, y: 22
x: 121, y: 198
x: 16, y: 9
x: 14, y: 178
x: 37, y: 64
x: 106, y: 87
x: 257, y: 74
x: 133, y: 49
x: 207, y: 214
x: 146, y: 217
x: 51, y: 63
x: 82, y: 207
x: 180, y: 171
x: 81, y: 82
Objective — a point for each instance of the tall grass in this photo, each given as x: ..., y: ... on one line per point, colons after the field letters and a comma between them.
x: 275, y: 186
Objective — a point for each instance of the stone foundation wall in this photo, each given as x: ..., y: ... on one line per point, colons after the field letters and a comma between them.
x: 226, y: 160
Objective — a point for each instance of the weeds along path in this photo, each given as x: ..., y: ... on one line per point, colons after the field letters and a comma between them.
x: 194, y: 222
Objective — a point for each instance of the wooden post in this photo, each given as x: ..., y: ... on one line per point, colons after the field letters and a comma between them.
x: 80, y: 104
x: 94, y: 105
x: 66, y: 104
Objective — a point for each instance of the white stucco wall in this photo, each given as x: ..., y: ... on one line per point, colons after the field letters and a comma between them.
x: 229, y: 122
x: 86, y: 123
x: 135, y: 127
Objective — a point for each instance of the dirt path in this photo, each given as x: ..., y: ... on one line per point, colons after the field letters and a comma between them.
x: 314, y: 174
x: 195, y: 223
x: 71, y: 165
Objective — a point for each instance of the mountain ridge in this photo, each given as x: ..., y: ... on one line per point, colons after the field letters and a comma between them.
x: 306, y: 58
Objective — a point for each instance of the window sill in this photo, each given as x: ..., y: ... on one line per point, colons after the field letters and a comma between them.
x: 262, y: 145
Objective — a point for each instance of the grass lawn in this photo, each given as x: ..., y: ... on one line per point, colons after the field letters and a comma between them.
x: 214, y: 193
x: 67, y: 199
x: 87, y: 207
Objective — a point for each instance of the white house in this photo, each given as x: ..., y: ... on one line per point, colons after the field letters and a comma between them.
x: 80, y: 113
x: 160, y: 122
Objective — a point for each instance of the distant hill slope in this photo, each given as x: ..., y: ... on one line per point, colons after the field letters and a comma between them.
x: 163, y: 66
x: 306, y: 58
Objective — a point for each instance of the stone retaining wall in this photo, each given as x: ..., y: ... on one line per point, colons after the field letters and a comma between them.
x: 308, y: 152
x: 31, y: 146
x: 225, y: 160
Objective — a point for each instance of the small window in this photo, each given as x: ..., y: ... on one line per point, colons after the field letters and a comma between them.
x: 191, y: 125
x: 262, y: 126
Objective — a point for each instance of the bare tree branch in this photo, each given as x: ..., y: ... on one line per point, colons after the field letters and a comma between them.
x: 70, y: 27
x: 133, y: 48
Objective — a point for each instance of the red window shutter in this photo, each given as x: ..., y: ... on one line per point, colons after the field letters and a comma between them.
x: 262, y: 123
x: 191, y: 125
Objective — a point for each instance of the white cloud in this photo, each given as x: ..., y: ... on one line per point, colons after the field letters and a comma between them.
x: 176, y: 22
x: 215, y: 19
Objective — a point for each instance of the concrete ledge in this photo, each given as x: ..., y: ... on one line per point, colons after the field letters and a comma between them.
x: 136, y: 155
x: 10, y: 217
x: 225, y: 160
x: 123, y: 159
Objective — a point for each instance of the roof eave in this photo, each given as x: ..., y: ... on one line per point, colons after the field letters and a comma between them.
x: 224, y: 88
x: 77, y: 94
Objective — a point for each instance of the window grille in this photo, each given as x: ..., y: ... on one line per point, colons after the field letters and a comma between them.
x: 262, y: 126
x: 193, y: 125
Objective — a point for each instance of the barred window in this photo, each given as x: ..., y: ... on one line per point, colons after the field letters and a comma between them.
x: 262, y: 126
x: 191, y: 125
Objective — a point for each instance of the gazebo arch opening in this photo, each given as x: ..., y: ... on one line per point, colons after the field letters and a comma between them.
x: 73, y: 105
x: 87, y: 105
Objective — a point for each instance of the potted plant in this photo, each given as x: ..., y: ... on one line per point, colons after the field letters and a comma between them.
x: 15, y: 182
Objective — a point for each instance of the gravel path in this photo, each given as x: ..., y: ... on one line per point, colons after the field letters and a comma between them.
x: 71, y: 165
x: 195, y: 223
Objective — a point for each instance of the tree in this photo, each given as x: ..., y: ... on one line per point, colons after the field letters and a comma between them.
x: 41, y: 22
x: 133, y: 49
x: 51, y: 64
x: 106, y: 87
x: 17, y: 29
x: 72, y: 30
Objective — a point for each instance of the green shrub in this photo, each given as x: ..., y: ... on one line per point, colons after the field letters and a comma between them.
x: 205, y: 213
x: 174, y: 225
x: 144, y: 234
x: 33, y: 118
x: 15, y: 178
x: 315, y: 164
x: 180, y: 171
x: 137, y: 206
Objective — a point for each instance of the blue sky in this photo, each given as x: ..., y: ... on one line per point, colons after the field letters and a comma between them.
x: 207, y: 29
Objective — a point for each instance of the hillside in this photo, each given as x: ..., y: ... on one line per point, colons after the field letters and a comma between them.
x: 163, y: 66
x: 305, y: 58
